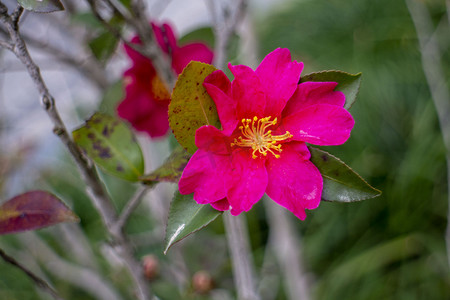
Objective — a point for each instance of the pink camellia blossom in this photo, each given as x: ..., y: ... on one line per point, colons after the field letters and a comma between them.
x: 147, y: 99
x: 267, y: 118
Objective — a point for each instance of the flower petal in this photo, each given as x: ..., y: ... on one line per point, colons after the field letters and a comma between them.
x: 195, y: 51
x: 279, y: 75
x: 247, y: 182
x: 221, y: 205
x: 248, y: 92
x: 134, y: 55
x: 164, y: 37
x: 211, y: 139
x: 320, y: 124
x: 310, y: 93
x: 294, y: 183
x: 205, y: 176
x: 140, y: 107
x: 218, y: 87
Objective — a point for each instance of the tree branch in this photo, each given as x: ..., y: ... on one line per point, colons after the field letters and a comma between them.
x: 130, y: 207
x: 288, y: 251
x: 150, y: 49
x: 432, y: 66
x: 224, y: 27
x: 235, y: 226
x: 6, y: 45
x: 90, y: 176
x: 238, y: 245
x: 37, y: 280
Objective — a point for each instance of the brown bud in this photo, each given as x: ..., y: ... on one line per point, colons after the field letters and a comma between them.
x: 202, y: 282
x: 151, y: 266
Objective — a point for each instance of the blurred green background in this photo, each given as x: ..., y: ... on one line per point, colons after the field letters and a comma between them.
x: 390, y: 247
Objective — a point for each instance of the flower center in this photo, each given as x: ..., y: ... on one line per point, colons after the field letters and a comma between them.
x: 256, y: 136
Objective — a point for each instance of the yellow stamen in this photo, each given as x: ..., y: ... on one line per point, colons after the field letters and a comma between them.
x: 256, y: 136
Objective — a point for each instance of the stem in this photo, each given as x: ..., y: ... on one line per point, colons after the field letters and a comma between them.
x: 238, y: 245
x: 288, y: 251
x: 130, y: 207
x: 89, y: 174
x: 37, y: 280
x: 235, y: 226
x: 432, y: 66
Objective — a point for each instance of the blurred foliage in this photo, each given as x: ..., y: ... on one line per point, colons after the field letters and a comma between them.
x: 390, y: 247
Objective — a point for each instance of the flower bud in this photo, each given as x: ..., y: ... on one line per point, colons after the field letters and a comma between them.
x: 202, y: 282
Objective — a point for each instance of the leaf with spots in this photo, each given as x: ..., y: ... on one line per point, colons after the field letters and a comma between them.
x: 191, y: 107
x: 33, y: 210
x: 347, y: 83
x: 111, y: 144
x: 41, y: 6
x: 186, y: 217
x: 171, y: 169
x: 340, y: 182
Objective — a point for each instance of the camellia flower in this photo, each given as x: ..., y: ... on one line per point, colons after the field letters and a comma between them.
x: 267, y: 118
x: 147, y: 99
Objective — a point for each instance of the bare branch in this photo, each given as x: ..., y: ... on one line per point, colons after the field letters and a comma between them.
x: 7, y: 45
x: 224, y: 27
x: 150, y: 49
x: 288, y: 251
x: 238, y: 245
x: 432, y: 66
x: 235, y: 226
x: 82, y: 277
x: 15, y: 16
x: 37, y: 280
x: 90, y: 176
x: 130, y: 207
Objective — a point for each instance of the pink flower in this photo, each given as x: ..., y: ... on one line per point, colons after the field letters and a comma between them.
x: 147, y: 99
x: 267, y: 119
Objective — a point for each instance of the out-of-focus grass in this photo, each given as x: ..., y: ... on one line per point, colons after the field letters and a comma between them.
x: 391, y: 247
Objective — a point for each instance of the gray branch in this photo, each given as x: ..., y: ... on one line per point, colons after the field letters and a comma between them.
x: 239, y: 247
x: 36, y: 279
x: 432, y: 66
x: 139, y: 22
x: 89, y: 174
x: 288, y: 251
x: 225, y: 22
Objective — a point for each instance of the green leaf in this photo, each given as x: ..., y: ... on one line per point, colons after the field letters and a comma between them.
x: 203, y: 35
x: 186, y: 217
x: 112, y: 96
x: 111, y: 145
x: 171, y: 170
x: 41, y: 6
x: 33, y: 210
x: 191, y: 107
x: 103, y: 46
x: 340, y: 182
x: 87, y: 19
x: 347, y: 83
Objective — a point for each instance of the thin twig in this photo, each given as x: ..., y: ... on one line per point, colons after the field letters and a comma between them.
x: 86, y: 66
x: 235, y: 227
x: 7, y: 45
x: 238, y: 244
x: 130, y: 207
x: 82, y: 277
x: 432, y: 66
x: 138, y: 20
x: 37, y: 280
x: 287, y: 248
x: 224, y: 28
x: 90, y: 176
